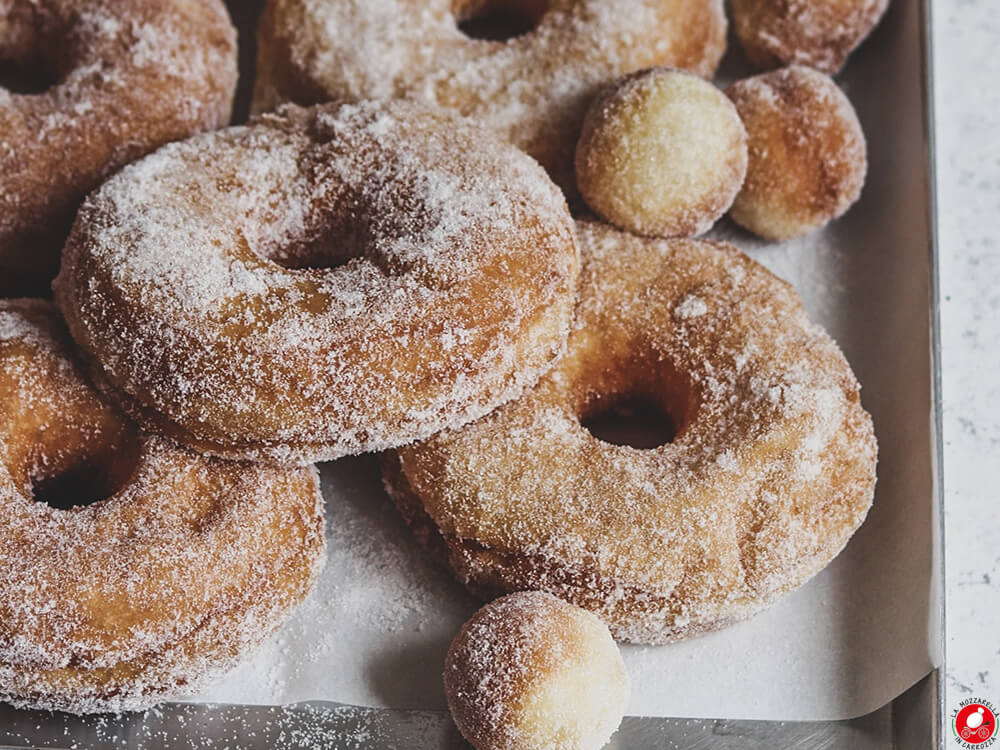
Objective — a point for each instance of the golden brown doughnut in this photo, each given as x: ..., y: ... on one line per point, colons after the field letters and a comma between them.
x: 532, y: 672
x: 663, y: 153
x: 126, y: 77
x: 771, y: 470
x: 184, y: 566
x: 808, y: 157
x: 532, y: 89
x: 817, y: 33
x: 325, y: 281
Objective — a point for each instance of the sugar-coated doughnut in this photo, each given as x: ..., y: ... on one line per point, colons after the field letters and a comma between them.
x: 771, y: 470
x: 817, y: 33
x: 532, y: 672
x: 808, y: 156
x: 132, y: 570
x: 126, y: 77
x: 662, y: 153
x: 325, y: 281
x: 532, y: 89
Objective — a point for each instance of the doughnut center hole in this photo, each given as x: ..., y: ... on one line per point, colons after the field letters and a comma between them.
x: 634, y: 421
x: 499, y: 20
x: 86, y: 475
x: 26, y: 79
x: 317, y: 257
x: 77, y: 487
x: 334, y: 247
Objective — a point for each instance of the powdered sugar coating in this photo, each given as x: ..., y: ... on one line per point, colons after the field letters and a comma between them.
x: 529, y: 671
x: 150, y: 593
x: 452, y: 286
x: 131, y: 76
x: 772, y: 469
x: 820, y: 35
x: 807, y: 152
x: 662, y: 154
x: 531, y: 90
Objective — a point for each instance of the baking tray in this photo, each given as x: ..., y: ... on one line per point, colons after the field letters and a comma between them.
x: 913, y: 720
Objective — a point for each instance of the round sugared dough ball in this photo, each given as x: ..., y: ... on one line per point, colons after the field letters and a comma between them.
x: 807, y: 152
x: 817, y: 33
x: 662, y: 153
x: 532, y: 672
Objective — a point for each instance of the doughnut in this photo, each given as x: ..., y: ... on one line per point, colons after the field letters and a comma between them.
x: 531, y: 672
x: 132, y: 570
x: 531, y: 89
x: 820, y: 34
x: 113, y: 80
x: 324, y: 281
x: 808, y: 157
x: 770, y: 470
x: 662, y: 154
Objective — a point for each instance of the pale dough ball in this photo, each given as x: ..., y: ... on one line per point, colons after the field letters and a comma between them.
x: 807, y: 152
x: 817, y: 33
x: 532, y: 672
x: 662, y: 154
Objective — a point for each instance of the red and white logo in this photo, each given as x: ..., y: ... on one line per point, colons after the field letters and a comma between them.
x: 975, y: 723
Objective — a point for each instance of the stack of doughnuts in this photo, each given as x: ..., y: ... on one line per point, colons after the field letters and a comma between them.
x: 385, y: 259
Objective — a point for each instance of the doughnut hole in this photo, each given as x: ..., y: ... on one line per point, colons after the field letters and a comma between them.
x: 807, y: 152
x: 34, y: 57
x: 635, y: 421
x: 320, y: 252
x: 644, y: 406
x: 332, y: 239
x: 662, y: 153
x: 531, y: 671
x: 26, y: 79
x: 64, y: 446
x: 820, y: 35
x: 82, y: 461
x: 347, y: 226
x: 334, y: 231
x: 498, y: 20
x: 85, y: 479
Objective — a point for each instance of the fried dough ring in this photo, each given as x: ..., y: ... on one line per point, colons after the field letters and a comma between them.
x: 771, y: 471
x: 325, y: 281
x: 185, y: 567
x: 130, y: 75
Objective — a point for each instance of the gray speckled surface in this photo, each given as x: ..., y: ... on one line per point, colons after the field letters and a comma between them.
x: 966, y: 74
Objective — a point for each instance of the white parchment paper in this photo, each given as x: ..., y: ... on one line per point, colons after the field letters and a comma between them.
x: 376, y: 629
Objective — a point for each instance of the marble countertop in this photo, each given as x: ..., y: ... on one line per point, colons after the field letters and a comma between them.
x: 967, y: 115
